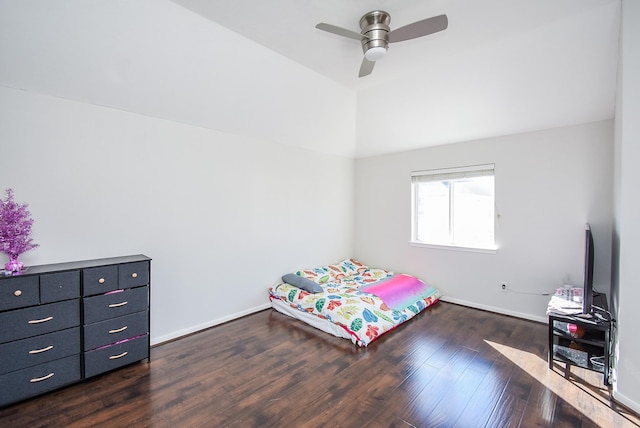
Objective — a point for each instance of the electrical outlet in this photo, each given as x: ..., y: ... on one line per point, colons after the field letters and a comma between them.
x: 503, y: 287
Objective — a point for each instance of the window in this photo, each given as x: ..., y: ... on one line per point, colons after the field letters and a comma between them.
x: 454, y: 207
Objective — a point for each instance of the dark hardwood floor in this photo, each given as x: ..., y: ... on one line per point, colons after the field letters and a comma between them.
x: 449, y: 366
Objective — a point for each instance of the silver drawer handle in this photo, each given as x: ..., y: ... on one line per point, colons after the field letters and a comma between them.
x: 115, y: 357
x: 40, y: 379
x: 117, y: 305
x: 38, y: 351
x: 40, y: 320
x: 134, y: 275
x: 118, y: 330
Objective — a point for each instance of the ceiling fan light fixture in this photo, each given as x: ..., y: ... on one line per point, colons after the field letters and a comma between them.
x: 375, y: 53
x: 375, y: 34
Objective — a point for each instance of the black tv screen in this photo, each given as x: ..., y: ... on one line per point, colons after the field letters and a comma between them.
x: 587, y: 292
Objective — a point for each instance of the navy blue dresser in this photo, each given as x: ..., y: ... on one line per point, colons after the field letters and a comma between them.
x: 65, y: 322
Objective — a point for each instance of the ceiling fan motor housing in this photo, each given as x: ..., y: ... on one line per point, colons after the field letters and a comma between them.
x: 375, y: 25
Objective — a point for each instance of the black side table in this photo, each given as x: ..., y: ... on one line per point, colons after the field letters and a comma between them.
x: 589, y: 348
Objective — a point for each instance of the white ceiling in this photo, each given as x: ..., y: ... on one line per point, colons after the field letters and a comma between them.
x: 288, y: 27
x: 502, y: 67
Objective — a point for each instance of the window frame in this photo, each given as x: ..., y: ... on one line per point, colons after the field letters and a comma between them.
x: 450, y: 174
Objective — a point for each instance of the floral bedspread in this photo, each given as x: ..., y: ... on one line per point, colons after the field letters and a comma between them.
x: 363, y: 315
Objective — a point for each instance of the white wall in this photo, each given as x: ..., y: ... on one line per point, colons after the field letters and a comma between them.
x: 223, y: 216
x: 159, y: 59
x: 548, y: 184
x: 627, y: 228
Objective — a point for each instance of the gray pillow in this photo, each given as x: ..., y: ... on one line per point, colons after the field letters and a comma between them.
x: 302, y: 283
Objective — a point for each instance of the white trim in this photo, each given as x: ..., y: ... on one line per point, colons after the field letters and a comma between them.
x: 543, y: 320
x: 454, y: 247
x: 625, y: 401
x: 213, y: 323
x: 196, y: 328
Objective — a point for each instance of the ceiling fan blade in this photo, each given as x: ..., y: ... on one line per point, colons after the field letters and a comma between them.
x: 366, y: 67
x: 340, y: 31
x: 419, y: 29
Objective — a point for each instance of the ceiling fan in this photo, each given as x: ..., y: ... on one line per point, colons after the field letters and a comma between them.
x: 375, y: 34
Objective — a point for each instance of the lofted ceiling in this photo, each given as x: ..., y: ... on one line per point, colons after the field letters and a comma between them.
x: 502, y: 66
x: 288, y: 27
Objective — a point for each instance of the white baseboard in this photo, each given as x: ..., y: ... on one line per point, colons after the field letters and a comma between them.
x: 474, y: 305
x: 193, y: 329
x: 625, y: 401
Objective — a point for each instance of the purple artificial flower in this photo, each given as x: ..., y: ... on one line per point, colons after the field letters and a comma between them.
x: 15, y: 227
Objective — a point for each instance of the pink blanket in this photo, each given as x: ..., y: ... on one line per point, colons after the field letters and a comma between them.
x: 399, y: 291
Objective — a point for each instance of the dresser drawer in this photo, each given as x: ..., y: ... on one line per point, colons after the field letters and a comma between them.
x: 55, y: 287
x: 45, y: 377
x: 111, y: 305
x: 113, y: 330
x: 40, y: 349
x: 38, y: 320
x: 19, y: 292
x: 99, y: 280
x: 117, y: 355
x: 133, y: 275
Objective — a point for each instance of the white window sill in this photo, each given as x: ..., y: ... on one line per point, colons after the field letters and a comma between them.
x: 454, y: 247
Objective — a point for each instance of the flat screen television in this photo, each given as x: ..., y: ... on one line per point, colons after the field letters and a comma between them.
x: 587, y: 291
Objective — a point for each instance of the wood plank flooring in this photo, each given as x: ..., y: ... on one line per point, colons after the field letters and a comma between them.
x: 450, y: 366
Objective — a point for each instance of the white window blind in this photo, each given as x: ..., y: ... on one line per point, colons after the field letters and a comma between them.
x: 453, y: 173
